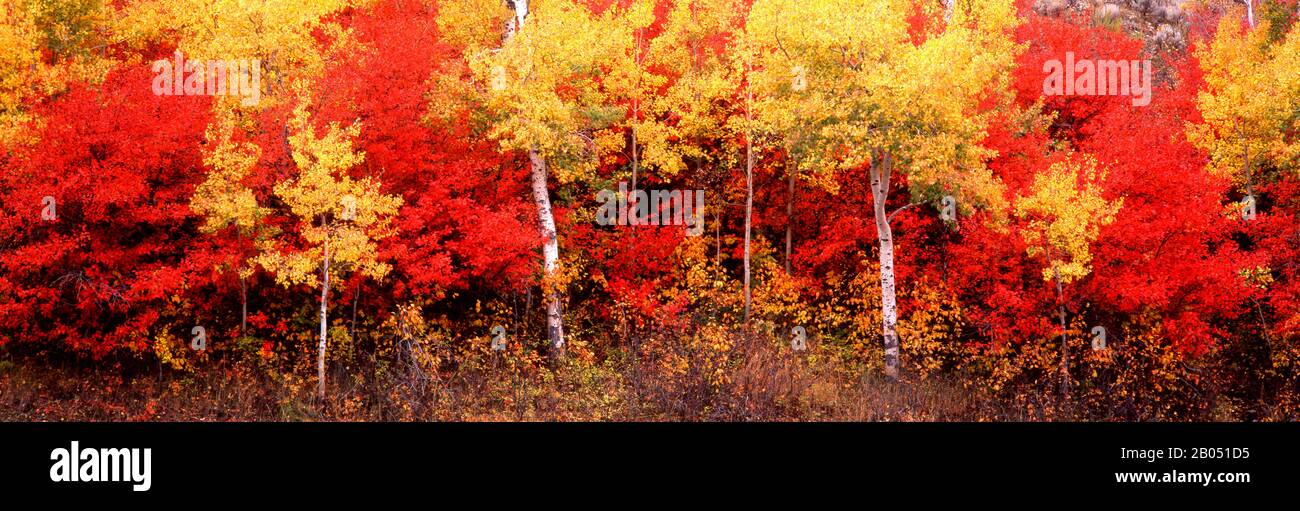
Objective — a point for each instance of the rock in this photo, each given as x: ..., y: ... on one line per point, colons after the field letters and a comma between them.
x: 1167, y: 35
x: 1171, y: 13
x: 1050, y: 7
x: 1107, y: 13
x: 1142, y: 6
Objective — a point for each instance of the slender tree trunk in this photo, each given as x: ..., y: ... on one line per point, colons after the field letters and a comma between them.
x: 632, y: 200
x: 1250, y: 185
x: 749, y: 195
x: 881, y: 168
x: 717, y: 229
x: 717, y: 233
x: 789, y: 214
x: 520, y: 7
x: 324, y: 308
x: 635, y: 165
x: 550, y: 254
x: 356, y: 297
x: 545, y: 218
x: 1250, y: 12
x: 1065, y: 353
x: 636, y: 115
x: 243, y: 306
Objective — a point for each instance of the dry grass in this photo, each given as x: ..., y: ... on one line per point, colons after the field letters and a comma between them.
x: 760, y: 382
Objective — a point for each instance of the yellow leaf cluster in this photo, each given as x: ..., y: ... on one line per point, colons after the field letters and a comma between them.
x: 1251, y: 100
x: 280, y: 34
x: 472, y: 24
x: 557, y: 82
x: 841, y: 80
x: 339, y: 217
x: 1065, y: 213
x: 70, y: 30
x: 694, y: 106
x: 222, y: 199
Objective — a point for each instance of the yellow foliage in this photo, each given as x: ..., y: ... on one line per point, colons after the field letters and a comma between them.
x: 279, y: 34
x: 693, y: 107
x: 930, y: 334
x: 222, y: 199
x: 338, y: 217
x: 1065, y: 213
x: 1251, y: 100
x: 840, y: 81
x: 69, y: 30
x: 472, y: 23
x: 555, y: 83
x: 172, y: 351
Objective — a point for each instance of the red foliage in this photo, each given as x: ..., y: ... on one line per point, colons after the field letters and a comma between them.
x: 119, y: 163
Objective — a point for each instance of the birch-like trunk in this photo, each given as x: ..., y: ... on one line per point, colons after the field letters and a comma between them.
x: 636, y: 116
x: 789, y: 213
x: 749, y: 195
x: 243, y: 306
x: 717, y: 233
x: 1065, y: 353
x: 545, y: 218
x: 881, y: 168
x: 356, y: 297
x: 1250, y: 185
x: 520, y: 7
x: 550, y: 253
x: 324, y: 308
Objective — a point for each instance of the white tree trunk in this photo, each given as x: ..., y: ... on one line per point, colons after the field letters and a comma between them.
x: 1250, y: 12
x: 550, y: 253
x: 545, y: 218
x: 636, y: 117
x: 881, y: 169
x: 521, y: 12
x: 324, y: 308
x: 1245, y: 153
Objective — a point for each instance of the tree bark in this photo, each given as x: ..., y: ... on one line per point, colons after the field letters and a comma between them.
x: 789, y: 214
x: 550, y: 254
x: 1250, y: 185
x: 243, y: 306
x: 636, y: 114
x: 749, y: 194
x: 520, y: 7
x: 881, y: 168
x: 717, y: 234
x: 356, y: 297
x: 324, y: 308
x: 545, y: 218
x: 1065, y: 353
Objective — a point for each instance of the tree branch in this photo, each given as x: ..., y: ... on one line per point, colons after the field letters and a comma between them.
x: 890, y: 218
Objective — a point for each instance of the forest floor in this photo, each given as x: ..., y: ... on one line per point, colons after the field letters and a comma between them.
x: 32, y: 390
